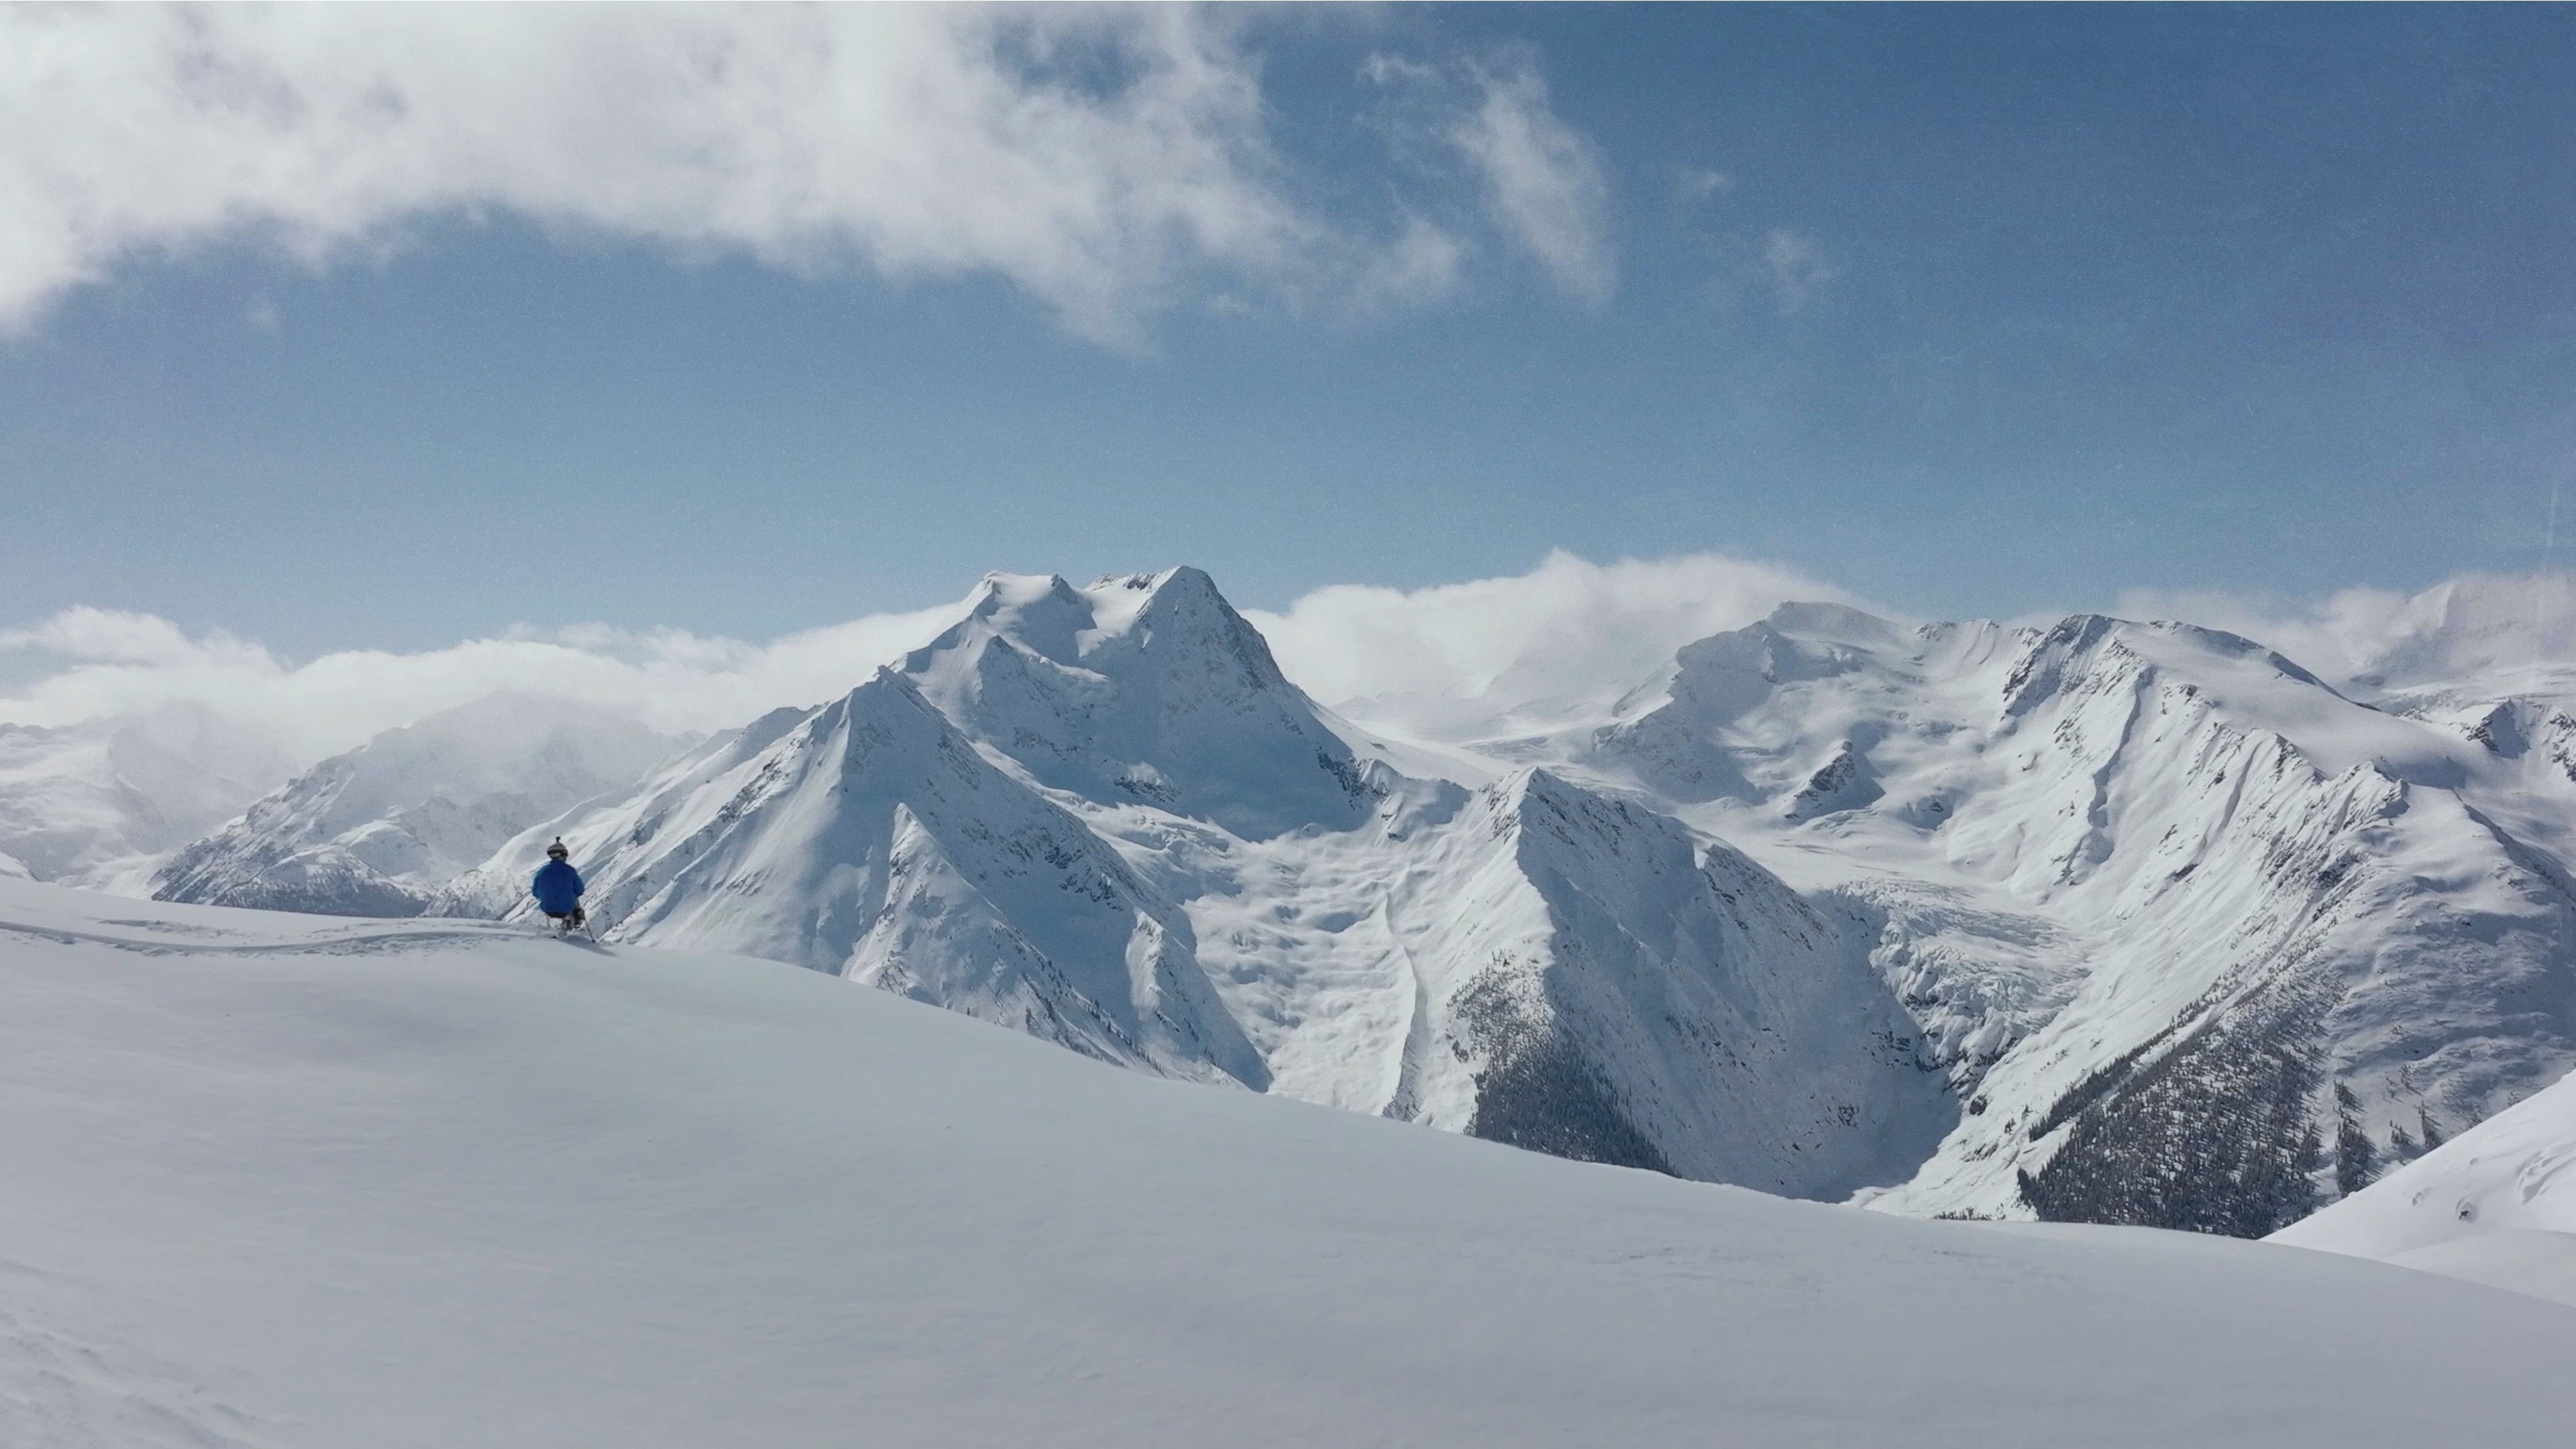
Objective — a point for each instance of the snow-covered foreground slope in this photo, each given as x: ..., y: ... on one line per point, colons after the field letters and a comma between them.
x: 378, y: 830
x: 2496, y: 1204
x: 277, y: 1181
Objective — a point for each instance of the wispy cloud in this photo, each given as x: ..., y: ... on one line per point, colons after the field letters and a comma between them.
x: 2472, y: 627
x: 1114, y: 162
x: 1544, y: 179
x: 92, y: 663
x: 1797, y: 266
x: 1699, y: 183
x: 1562, y: 638
x: 1544, y: 189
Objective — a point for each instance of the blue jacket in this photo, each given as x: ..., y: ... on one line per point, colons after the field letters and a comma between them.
x: 557, y: 887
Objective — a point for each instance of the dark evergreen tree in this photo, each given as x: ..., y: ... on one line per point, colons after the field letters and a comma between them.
x: 2215, y: 1136
x: 2356, y: 1157
x: 2431, y: 1133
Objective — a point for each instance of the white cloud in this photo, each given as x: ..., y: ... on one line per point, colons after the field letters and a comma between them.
x: 113, y: 636
x: 1541, y: 182
x: 1545, y: 183
x: 1797, y: 266
x: 1567, y: 635
x: 95, y: 663
x: 1699, y: 183
x: 1113, y: 162
x: 2481, y: 627
x: 1557, y: 642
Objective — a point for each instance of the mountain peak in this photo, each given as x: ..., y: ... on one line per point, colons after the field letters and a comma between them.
x: 1057, y: 620
x: 1837, y: 623
x: 2257, y: 683
x: 1141, y: 689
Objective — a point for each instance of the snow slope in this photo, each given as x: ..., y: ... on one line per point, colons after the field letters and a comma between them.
x: 1101, y: 815
x: 280, y: 1181
x: 376, y: 831
x: 2495, y: 1205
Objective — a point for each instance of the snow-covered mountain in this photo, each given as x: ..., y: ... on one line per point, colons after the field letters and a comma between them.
x: 2149, y: 891
x: 869, y: 838
x: 280, y: 1182
x: 1101, y: 815
x: 378, y: 830
x: 101, y: 803
x: 2495, y: 1205
x: 2100, y: 920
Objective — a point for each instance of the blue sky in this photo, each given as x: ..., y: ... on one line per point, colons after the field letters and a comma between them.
x: 1972, y: 311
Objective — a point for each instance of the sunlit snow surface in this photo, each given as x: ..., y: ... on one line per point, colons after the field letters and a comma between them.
x: 2495, y: 1205
x: 280, y: 1181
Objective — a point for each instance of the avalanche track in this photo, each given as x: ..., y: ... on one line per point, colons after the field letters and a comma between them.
x: 328, y: 1182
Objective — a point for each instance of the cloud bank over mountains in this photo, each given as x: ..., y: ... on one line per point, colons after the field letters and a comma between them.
x: 1569, y: 628
x: 1549, y: 640
x: 87, y: 663
x: 2373, y: 638
x: 1112, y: 163
x: 1542, y: 648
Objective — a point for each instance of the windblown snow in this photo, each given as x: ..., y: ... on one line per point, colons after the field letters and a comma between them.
x: 283, y: 1181
x: 2108, y: 921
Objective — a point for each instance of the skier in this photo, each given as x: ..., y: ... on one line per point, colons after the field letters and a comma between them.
x: 558, y: 888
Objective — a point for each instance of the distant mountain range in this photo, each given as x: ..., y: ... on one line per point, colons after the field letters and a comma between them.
x: 378, y: 830
x: 2106, y: 920
x: 104, y: 803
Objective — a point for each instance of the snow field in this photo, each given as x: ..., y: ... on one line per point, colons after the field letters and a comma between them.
x: 306, y: 1182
